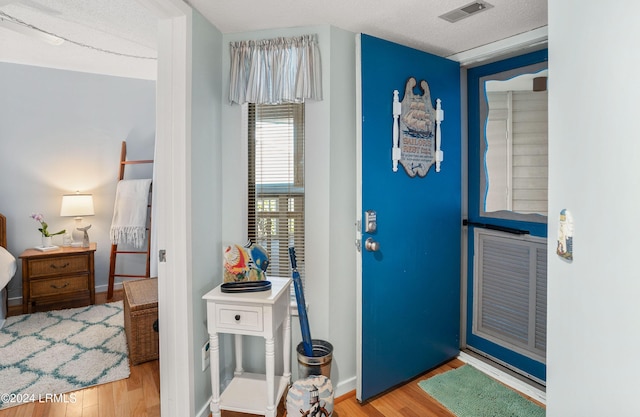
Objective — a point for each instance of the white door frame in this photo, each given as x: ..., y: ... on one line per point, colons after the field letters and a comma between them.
x: 172, y: 193
x: 358, y: 217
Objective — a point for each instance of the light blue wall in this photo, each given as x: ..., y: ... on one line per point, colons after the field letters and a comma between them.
x: 206, y: 185
x: 61, y: 131
x: 330, y: 195
x: 341, y: 292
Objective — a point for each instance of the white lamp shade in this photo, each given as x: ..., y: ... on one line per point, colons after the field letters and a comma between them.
x: 76, y: 205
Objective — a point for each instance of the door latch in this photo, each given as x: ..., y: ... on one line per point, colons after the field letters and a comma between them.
x: 162, y: 255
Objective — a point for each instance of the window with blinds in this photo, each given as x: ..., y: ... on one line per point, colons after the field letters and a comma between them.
x: 510, y: 292
x: 276, y: 183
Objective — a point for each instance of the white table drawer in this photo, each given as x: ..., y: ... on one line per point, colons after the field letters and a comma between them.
x: 239, y: 317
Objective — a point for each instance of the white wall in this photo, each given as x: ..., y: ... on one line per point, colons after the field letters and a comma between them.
x: 61, y: 131
x: 594, y: 171
x: 330, y: 194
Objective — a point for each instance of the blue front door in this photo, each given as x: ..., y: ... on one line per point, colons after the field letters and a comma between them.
x: 409, y: 289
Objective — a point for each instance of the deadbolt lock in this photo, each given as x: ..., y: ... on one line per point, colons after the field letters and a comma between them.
x: 370, y: 221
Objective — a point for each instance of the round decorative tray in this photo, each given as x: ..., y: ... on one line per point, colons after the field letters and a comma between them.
x: 250, y: 286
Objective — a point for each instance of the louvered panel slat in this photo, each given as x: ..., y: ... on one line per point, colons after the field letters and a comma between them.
x: 508, y: 269
x: 541, y: 300
x: 507, y: 285
x: 497, y: 267
x: 514, y: 296
x: 510, y: 297
x: 530, y: 150
x: 507, y: 293
x: 505, y: 290
x: 515, y: 323
x: 515, y: 305
x: 531, y: 146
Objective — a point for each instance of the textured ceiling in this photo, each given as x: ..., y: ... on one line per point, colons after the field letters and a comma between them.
x: 414, y: 23
x: 118, y: 37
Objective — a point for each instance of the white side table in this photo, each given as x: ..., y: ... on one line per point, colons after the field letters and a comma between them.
x: 252, y: 314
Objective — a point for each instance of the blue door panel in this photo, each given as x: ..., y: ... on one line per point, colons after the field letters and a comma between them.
x: 411, y: 287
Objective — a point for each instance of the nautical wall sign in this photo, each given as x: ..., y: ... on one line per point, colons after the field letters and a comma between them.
x: 565, y: 235
x: 416, y: 130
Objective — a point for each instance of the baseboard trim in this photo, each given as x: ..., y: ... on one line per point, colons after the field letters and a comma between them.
x: 205, y: 411
x: 344, y: 387
x: 343, y: 397
x: 504, y: 377
x: 16, y: 301
x: 104, y: 288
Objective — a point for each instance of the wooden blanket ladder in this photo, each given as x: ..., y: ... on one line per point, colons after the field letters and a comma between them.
x: 114, y: 247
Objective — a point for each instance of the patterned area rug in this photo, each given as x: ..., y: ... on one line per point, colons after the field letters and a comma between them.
x: 467, y: 392
x: 55, y: 352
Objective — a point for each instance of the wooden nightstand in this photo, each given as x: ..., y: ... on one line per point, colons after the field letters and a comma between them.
x: 62, y: 275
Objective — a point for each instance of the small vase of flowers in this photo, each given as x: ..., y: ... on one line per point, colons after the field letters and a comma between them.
x: 46, y: 236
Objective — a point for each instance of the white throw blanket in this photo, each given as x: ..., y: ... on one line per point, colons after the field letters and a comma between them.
x: 130, y: 213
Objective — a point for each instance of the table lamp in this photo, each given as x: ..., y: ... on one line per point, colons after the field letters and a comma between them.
x: 78, y: 205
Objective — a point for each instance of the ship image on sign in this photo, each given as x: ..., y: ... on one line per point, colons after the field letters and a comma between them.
x: 418, y: 127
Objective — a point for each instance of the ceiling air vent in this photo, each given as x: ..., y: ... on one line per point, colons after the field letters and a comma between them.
x: 465, y: 11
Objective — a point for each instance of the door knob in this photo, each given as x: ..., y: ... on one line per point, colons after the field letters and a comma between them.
x: 371, y: 245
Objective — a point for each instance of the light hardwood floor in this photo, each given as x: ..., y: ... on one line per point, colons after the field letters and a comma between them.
x: 408, y: 400
x: 139, y: 396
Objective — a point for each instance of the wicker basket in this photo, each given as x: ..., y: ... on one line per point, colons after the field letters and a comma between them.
x: 140, y: 314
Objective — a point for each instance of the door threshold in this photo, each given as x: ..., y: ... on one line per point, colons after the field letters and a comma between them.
x: 506, y: 376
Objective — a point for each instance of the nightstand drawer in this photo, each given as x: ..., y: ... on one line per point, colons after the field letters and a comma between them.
x: 239, y: 317
x: 59, y: 278
x: 58, y: 265
x: 54, y: 286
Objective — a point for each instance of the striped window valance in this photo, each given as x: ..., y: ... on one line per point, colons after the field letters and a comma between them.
x: 275, y: 71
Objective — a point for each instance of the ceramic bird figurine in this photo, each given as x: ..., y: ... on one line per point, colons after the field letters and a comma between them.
x: 245, y: 263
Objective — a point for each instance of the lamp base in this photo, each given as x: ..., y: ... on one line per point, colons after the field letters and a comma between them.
x: 85, y: 237
x: 77, y: 234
